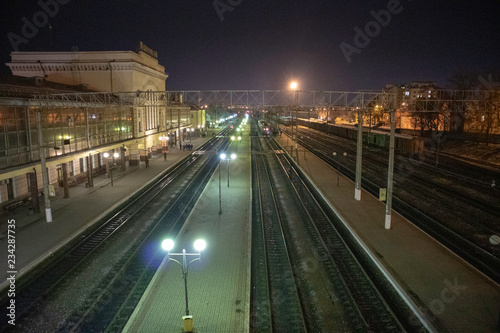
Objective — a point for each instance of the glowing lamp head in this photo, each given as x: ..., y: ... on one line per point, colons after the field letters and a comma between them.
x: 200, y: 245
x: 106, y: 155
x: 223, y: 156
x: 115, y: 155
x: 293, y: 85
x: 233, y: 156
x: 167, y: 244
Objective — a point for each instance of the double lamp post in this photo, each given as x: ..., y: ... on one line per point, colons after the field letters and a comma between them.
x: 199, y: 245
x: 224, y: 157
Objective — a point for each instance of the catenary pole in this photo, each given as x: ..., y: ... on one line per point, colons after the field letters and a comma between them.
x: 390, y: 174
x: 359, y: 152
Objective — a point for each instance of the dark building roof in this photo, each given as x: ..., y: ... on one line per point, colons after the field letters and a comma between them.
x: 27, y: 87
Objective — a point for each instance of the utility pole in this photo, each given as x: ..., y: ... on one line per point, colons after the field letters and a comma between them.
x: 359, y: 152
x: 296, y: 107
x: 45, y: 177
x: 390, y: 174
x: 179, y: 127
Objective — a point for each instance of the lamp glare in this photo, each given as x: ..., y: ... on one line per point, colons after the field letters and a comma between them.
x: 200, y: 245
x: 167, y: 244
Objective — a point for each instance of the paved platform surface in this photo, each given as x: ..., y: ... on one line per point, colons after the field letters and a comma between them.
x: 219, y: 285
x: 449, y: 290
x: 36, y: 239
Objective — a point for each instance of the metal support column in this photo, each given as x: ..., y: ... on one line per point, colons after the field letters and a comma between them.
x: 87, y: 128
x: 390, y: 174
x: 90, y: 179
x: 64, y: 168
x: 45, y: 176
x: 179, y: 127
x: 359, y: 153
x: 35, y: 203
x: 30, y: 141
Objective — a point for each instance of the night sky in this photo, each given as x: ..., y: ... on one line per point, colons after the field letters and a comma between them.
x: 264, y: 44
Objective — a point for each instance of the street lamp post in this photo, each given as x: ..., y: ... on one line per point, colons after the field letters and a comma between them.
x: 199, y: 246
x: 220, y: 195
x: 109, y: 169
x: 223, y: 157
x: 237, y: 139
x: 228, y: 159
x: 164, y: 144
x: 338, y: 165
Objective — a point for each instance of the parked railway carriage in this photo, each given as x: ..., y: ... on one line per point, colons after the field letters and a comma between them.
x: 404, y: 144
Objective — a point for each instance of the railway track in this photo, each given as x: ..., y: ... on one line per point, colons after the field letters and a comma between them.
x: 291, y: 232
x: 94, y: 284
x: 284, y: 305
x: 462, y: 225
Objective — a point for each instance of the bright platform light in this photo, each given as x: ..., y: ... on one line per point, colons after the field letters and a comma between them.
x: 167, y: 244
x: 200, y: 245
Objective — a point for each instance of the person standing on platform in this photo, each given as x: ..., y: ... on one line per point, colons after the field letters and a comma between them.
x: 164, y: 155
x: 147, y: 161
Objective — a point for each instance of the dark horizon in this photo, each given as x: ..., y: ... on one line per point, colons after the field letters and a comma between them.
x: 263, y: 45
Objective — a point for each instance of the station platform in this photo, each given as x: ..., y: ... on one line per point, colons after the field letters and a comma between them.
x: 36, y: 239
x: 219, y: 284
x: 452, y: 294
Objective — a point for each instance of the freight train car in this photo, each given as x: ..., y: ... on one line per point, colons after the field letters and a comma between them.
x: 404, y: 144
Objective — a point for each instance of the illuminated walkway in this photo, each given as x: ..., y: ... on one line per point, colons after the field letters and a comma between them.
x: 219, y: 285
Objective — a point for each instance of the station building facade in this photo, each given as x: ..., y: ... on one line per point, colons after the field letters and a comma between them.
x: 89, y: 103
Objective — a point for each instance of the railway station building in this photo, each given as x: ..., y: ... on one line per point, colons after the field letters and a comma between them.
x: 89, y: 103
